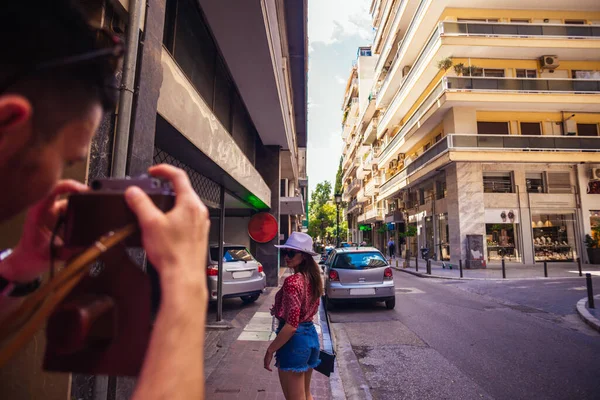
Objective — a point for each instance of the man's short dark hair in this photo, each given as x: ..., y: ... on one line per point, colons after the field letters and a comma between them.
x: 38, y: 31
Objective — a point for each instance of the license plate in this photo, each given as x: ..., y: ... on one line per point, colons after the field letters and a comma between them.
x: 361, y: 292
x: 242, y: 274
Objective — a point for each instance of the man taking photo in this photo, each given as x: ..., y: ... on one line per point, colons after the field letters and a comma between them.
x: 55, y: 82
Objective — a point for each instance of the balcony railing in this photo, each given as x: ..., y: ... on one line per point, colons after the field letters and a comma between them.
x: 500, y: 143
x: 372, y: 187
x: 354, y: 186
x: 517, y: 85
x: 518, y: 143
x: 519, y: 30
x: 523, y: 84
x: 352, y: 206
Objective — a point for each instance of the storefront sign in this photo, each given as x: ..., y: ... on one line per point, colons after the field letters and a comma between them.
x: 501, y: 216
x: 263, y: 227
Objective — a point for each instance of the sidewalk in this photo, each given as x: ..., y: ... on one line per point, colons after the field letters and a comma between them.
x: 239, y: 374
x: 494, y: 271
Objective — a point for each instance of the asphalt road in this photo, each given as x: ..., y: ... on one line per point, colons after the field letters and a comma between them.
x: 475, y: 340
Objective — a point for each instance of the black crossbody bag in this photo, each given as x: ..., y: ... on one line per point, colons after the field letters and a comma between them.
x: 327, y: 364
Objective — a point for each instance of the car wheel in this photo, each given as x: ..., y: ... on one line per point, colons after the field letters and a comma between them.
x: 390, y: 304
x: 250, y: 299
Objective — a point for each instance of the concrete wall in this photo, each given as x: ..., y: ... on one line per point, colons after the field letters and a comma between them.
x: 366, y: 72
x: 460, y: 120
x: 236, y: 230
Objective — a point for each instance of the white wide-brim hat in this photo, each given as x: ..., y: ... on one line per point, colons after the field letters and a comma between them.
x: 299, y: 241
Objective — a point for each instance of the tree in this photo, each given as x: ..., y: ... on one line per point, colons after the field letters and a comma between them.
x: 338, y: 178
x: 322, y: 214
x: 320, y: 196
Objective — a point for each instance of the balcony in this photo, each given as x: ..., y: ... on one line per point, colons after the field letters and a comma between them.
x: 372, y: 187
x: 479, y: 40
x: 353, y: 187
x: 496, y: 148
x: 495, y: 29
x: 372, y: 214
x: 371, y: 131
x: 352, y: 206
x: 462, y: 85
x: 360, y: 196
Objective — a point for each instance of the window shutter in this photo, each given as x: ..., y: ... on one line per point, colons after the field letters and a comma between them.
x: 559, y: 182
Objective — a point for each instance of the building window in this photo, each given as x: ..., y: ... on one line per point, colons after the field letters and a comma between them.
x: 531, y: 128
x: 364, y: 52
x: 497, y: 182
x: 534, y: 182
x: 575, y: 21
x: 493, y: 73
x: 422, y: 196
x: 426, y: 147
x: 526, y: 73
x: 440, y: 190
x: 587, y: 129
x: 519, y: 21
x: 492, y: 128
x: 585, y: 74
x: 438, y: 137
x: 559, y: 182
x: 477, y: 19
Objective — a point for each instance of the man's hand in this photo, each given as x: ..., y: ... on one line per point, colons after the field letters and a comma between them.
x: 176, y: 242
x: 31, y: 256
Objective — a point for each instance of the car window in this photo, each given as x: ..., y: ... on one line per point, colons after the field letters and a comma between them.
x: 359, y: 260
x: 232, y: 254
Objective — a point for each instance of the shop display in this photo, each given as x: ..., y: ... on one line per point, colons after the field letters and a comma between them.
x: 501, y: 242
x: 551, y: 244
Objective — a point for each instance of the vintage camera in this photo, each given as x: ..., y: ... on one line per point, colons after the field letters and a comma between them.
x: 103, y: 209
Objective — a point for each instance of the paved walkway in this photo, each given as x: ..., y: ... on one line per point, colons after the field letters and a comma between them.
x: 494, y: 271
x: 239, y: 374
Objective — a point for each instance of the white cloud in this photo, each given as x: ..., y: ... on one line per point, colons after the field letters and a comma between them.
x: 329, y: 19
x: 340, y: 80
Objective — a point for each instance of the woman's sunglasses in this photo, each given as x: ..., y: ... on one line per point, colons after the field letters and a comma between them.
x: 289, y: 253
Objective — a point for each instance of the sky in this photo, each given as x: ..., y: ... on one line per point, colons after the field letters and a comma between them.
x: 336, y: 28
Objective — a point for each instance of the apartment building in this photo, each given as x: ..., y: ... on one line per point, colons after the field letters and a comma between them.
x: 218, y: 89
x: 484, y: 132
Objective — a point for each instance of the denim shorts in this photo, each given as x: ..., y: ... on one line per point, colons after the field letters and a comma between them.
x: 301, y: 352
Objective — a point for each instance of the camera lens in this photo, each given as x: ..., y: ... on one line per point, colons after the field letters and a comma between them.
x: 96, y: 185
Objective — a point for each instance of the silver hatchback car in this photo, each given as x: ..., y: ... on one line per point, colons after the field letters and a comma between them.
x: 243, y: 275
x: 359, y: 273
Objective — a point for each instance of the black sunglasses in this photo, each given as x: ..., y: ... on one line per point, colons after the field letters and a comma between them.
x: 289, y: 253
x: 109, y: 47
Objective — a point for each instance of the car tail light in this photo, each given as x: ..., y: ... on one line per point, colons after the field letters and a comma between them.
x: 212, y: 270
x: 260, y: 267
x: 333, y: 275
x: 388, y: 273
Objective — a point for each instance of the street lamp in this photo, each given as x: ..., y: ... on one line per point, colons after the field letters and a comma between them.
x: 338, y: 201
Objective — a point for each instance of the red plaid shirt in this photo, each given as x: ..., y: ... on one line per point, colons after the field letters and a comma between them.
x: 293, y: 302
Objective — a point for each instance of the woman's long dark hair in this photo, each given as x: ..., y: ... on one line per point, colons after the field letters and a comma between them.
x: 311, y: 269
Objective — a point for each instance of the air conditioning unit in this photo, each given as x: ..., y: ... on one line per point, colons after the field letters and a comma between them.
x: 595, y: 174
x: 549, y: 62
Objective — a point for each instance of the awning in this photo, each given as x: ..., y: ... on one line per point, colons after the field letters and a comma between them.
x: 291, y: 206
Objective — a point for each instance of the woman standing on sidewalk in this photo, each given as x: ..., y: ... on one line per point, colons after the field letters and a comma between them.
x: 296, y: 346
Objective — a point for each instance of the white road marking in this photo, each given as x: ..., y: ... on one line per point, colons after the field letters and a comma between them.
x: 579, y: 288
x: 595, y: 273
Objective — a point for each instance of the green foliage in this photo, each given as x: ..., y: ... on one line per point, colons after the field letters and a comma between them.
x: 338, y: 179
x: 459, y: 68
x: 411, y: 231
x: 322, y: 215
x: 445, y: 64
x: 591, y: 242
x: 382, y: 229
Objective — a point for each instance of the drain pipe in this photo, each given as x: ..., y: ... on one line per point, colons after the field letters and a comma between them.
x: 121, y: 143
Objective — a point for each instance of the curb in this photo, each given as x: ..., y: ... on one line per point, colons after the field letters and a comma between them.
x: 354, y: 381
x: 586, y: 316
x: 458, y: 278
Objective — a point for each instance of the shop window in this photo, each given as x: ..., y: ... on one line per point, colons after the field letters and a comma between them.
x: 526, y: 73
x: 587, y: 129
x: 531, y: 128
x: 444, y: 237
x: 559, y: 182
x: 440, y: 190
x: 534, y: 182
x: 553, y: 237
x: 502, y: 242
x: 497, y: 182
x: 492, y: 128
x: 595, y: 223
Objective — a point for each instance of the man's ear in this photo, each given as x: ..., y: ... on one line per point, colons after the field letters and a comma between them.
x: 15, y: 126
